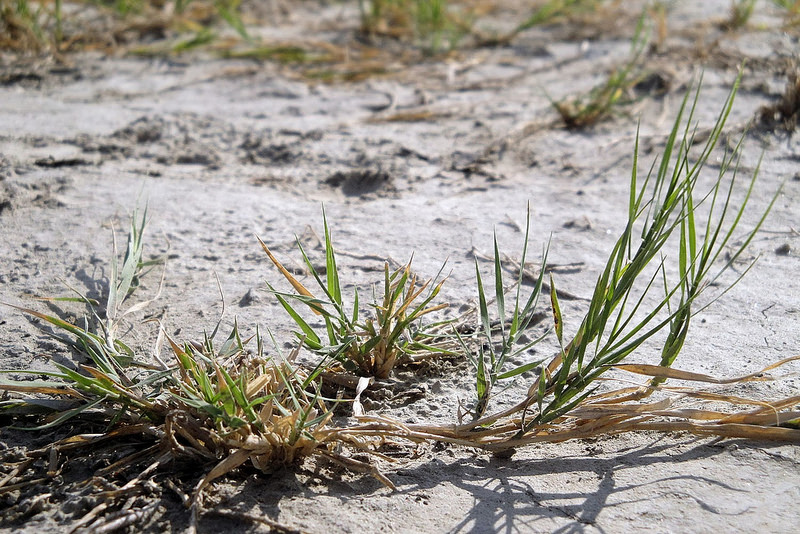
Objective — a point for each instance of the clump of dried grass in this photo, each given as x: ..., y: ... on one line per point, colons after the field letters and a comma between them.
x: 224, y: 405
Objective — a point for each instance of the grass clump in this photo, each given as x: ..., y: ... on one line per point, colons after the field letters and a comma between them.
x: 62, y: 26
x: 373, y: 346
x: 23, y: 26
x: 599, y: 103
x: 575, y: 15
x: 435, y: 24
x: 224, y: 404
x: 740, y: 13
x: 254, y: 408
x: 554, y: 10
x: 498, y: 341
x: 565, y: 401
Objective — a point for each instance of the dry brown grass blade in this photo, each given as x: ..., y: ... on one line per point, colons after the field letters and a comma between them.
x: 23, y: 484
x: 415, y: 115
x: 719, y: 397
x: 231, y: 462
x: 122, y: 519
x: 614, y: 412
x: 765, y: 419
x: 358, y: 466
x: 84, y: 440
x: 363, y: 383
x: 20, y: 468
x: 300, y: 288
x: 259, y: 383
x: 119, y: 465
x: 589, y: 411
x: 668, y: 372
x: 726, y: 430
x: 44, y: 390
x: 186, y: 429
x: 273, y: 525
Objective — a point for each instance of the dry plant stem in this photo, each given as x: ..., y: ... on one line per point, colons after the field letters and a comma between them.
x: 273, y: 525
x: 599, y: 415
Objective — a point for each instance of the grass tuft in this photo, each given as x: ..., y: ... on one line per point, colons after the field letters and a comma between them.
x: 223, y: 404
x: 784, y: 113
x: 565, y: 402
x: 502, y: 339
x: 599, y: 103
x: 434, y: 24
x: 740, y: 13
x: 391, y: 334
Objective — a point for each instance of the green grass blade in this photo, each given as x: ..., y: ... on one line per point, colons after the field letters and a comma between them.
x: 311, y: 337
x: 519, y: 370
x: 483, y: 308
x: 499, y: 289
x: 65, y: 416
x: 332, y: 271
x: 557, y: 319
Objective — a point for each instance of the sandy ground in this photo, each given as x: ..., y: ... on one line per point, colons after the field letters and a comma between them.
x: 224, y: 150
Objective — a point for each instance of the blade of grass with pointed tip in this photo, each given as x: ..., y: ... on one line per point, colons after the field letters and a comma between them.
x: 332, y: 271
x: 484, y: 310
x: 557, y: 319
x: 500, y: 290
x: 519, y: 370
x: 300, y: 288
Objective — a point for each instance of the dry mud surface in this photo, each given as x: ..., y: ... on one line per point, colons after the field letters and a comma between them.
x: 224, y: 150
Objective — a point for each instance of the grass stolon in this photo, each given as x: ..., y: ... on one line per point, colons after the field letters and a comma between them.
x: 231, y: 403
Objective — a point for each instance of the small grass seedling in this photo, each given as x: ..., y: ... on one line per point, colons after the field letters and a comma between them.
x: 554, y: 10
x: 97, y: 339
x: 549, y: 12
x: 497, y: 342
x: 374, y: 346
